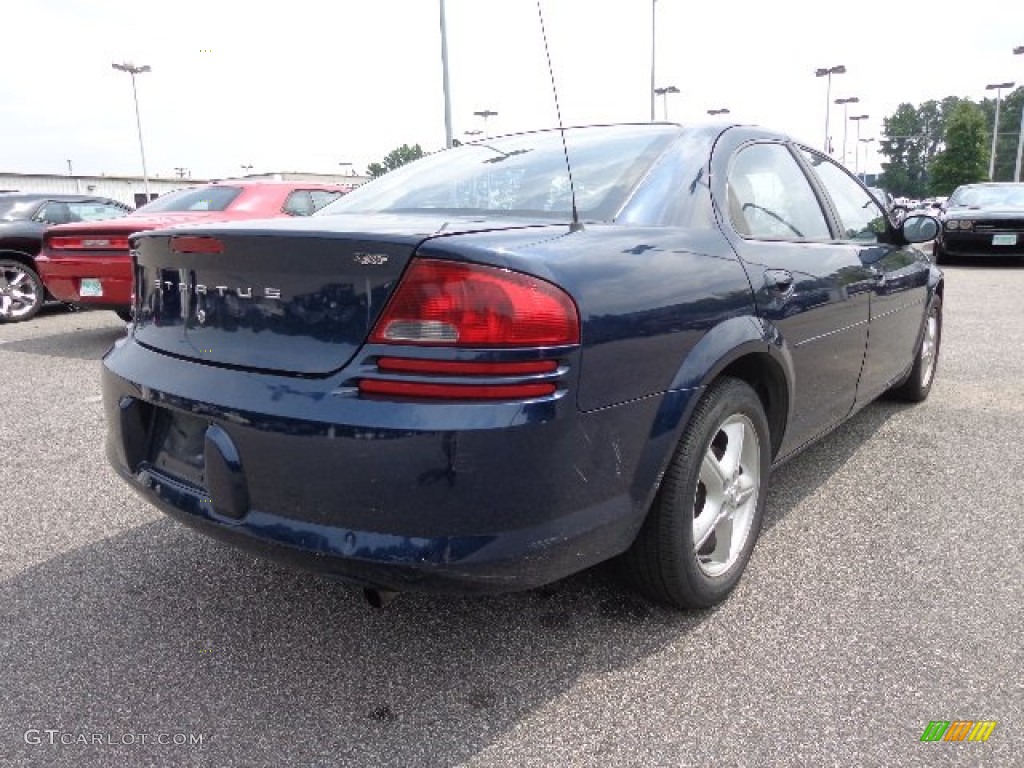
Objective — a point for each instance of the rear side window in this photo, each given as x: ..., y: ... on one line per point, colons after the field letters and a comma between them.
x: 859, y: 215
x: 304, y: 202
x: 769, y: 197
x: 197, y: 199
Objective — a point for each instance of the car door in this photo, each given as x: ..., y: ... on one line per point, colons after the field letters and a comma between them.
x: 900, y: 276
x: 814, y: 289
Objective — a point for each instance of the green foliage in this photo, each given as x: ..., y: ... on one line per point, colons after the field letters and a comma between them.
x: 1009, y: 128
x: 965, y: 158
x: 917, y: 144
x: 395, y: 159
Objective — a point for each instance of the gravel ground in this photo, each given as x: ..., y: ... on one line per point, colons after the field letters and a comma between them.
x: 886, y: 591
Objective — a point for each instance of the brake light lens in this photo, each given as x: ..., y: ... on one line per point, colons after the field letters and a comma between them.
x: 459, y: 368
x: 470, y: 305
x: 89, y: 243
x: 196, y: 244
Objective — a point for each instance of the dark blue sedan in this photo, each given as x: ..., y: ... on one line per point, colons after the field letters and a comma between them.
x: 477, y: 374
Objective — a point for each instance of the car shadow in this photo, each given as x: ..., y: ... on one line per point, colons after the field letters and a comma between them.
x: 82, y: 344
x: 159, y: 628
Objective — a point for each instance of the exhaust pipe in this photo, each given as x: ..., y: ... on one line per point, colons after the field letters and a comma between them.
x: 379, y: 598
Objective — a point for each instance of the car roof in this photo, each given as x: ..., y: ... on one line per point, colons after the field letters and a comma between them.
x: 31, y: 196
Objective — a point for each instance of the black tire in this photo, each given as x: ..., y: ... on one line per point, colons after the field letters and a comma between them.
x: 663, y: 562
x: 939, y: 256
x: 21, y: 292
x: 918, y: 384
x: 124, y: 314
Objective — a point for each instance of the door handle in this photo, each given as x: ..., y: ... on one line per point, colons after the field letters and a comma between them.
x: 779, y: 280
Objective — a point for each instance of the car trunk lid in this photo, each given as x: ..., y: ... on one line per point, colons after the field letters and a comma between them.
x: 296, y: 297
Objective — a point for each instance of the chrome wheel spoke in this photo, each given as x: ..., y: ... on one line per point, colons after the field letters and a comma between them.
x: 727, y: 495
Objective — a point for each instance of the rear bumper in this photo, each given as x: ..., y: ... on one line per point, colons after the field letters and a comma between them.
x: 63, y: 277
x: 486, y: 497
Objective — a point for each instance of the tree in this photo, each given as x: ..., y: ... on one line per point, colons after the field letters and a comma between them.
x: 1009, y: 128
x: 914, y: 136
x: 965, y: 158
x: 395, y: 159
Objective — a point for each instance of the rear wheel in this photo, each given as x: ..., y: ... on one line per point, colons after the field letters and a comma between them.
x: 21, y: 291
x: 124, y: 314
x: 918, y: 384
x: 699, y: 533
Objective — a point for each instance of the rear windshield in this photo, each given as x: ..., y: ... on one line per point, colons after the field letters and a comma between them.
x: 196, y: 199
x: 988, y: 196
x: 519, y: 175
x: 13, y: 210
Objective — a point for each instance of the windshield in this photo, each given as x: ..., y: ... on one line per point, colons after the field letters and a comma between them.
x: 195, y: 199
x: 988, y: 196
x: 519, y: 175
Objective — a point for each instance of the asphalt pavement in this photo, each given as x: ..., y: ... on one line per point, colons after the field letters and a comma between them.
x: 886, y: 592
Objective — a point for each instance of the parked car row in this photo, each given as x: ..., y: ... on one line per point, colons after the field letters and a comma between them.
x: 74, y: 248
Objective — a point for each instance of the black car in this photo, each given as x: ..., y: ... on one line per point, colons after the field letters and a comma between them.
x: 982, y: 220
x: 24, y: 216
x: 474, y: 375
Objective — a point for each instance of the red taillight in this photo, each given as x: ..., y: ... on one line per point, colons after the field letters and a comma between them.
x: 89, y: 243
x: 456, y: 391
x: 196, y: 244
x: 469, y: 305
x: 457, y: 368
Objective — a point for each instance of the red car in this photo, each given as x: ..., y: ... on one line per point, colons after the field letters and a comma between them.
x: 88, y: 263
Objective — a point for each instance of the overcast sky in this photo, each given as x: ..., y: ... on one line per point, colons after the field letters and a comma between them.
x: 306, y: 86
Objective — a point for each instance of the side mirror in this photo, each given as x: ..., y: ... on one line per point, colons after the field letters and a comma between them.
x: 919, y: 229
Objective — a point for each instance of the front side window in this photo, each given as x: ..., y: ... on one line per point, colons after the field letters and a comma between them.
x: 770, y: 198
x: 860, y: 218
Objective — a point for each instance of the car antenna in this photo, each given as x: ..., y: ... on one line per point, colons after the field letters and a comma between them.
x: 576, y: 225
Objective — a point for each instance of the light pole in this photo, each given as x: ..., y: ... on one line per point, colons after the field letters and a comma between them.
x: 865, y: 142
x: 485, y: 113
x: 474, y: 132
x: 998, y: 88
x: 1020, y: 133
x: 722, y: 111
x: 856, y: 154
x: 664, y: 92
x: 246, y: 167
x: 348, y: 165
x: 133, y: 70
x: 654, y: 38
x: 838, y: 69
x: 846, y: 106
x: 448, y: 138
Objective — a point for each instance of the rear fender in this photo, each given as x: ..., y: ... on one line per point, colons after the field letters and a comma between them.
x: 723, y: 350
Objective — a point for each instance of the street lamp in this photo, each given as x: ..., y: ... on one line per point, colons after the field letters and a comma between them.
x: 865, y: 142
x: 664, y: 92
x: 133, y: 70
x: 473, y: 132
x: 998, y: 88
x: 838, y: 69
x: 722, y: 111
x: 1020, y: 133
x: 346, y: 164
x: 485, y: 113
x: 846, y: 106
x: 449, y: 139
x: 246, y: 167
x: 856, y: 154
